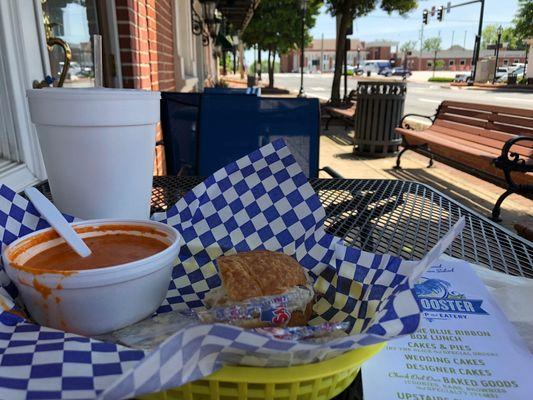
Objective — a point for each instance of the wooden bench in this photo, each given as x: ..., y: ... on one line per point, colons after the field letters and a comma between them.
x: 493, y: 142
x: 345, y: 113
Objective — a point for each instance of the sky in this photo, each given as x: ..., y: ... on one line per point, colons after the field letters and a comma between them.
x: 460, y: 24
x: 380, y: 25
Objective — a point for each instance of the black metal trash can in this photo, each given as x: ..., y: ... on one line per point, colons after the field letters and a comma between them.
x: 379, y: 110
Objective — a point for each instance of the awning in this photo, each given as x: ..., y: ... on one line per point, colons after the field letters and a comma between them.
x: 224, y: 42
x: 238, y: 13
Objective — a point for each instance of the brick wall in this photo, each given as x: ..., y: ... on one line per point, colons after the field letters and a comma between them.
x: 146, y: 42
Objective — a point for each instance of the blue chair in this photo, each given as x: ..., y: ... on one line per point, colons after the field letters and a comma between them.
x: 251, y: 90
x: 179, y: 122
x: 204, y: 132
x: 232, y: 127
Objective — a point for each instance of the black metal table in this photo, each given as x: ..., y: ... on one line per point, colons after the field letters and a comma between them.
x: 391, y: 216
x: 397, y: 217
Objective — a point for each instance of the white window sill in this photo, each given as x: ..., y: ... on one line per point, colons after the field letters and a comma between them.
x: 17, y: 176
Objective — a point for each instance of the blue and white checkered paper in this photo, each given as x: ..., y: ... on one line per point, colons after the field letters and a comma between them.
x: 262, y: 201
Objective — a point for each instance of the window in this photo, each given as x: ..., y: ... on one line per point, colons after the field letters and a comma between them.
x: 506, y: 62
x: 430, y: 63
x: 462, y: 62
x: 516, y: 61
x: 451, y: 63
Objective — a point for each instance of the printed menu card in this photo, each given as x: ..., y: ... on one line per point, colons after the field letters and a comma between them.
x: 465, y: 349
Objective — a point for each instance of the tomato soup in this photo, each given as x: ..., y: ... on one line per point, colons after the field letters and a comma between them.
x: 118, y: 245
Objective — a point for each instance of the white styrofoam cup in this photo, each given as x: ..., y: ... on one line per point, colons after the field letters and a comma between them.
x: 98, y: 147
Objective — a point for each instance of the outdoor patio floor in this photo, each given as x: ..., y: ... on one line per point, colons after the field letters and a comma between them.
x: 336, y: 151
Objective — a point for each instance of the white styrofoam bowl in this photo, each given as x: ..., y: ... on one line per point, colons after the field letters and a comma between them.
x: 95, y: 301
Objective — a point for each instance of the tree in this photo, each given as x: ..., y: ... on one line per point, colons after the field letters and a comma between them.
x: 408, y: 46
x: 347, y: 11
x: 439, y: 64
x: 433, y: 44
x: 276, y: 28
x: 489, y: 36
x: 523, y: 21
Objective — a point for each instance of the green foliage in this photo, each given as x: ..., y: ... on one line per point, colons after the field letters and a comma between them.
x: 276, y: 25
x: 523, y: 20
x: 440, y: 79
x: 410, y: 45
x: 432, y: 44
x: 439, y: 64
x: 359, y: 8
x: 490, y: 36
x: 264, y: 67
x: 229, y: 61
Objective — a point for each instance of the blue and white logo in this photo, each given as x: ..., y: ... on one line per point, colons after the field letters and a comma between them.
x: 436, y: 296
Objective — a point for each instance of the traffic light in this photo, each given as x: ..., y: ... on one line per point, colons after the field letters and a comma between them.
x: 440, y: 13
x: 425, y: 17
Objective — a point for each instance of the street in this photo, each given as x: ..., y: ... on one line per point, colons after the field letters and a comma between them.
x: 422, y: 97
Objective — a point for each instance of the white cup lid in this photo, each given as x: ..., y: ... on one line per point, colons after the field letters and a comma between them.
x: 93, y: 94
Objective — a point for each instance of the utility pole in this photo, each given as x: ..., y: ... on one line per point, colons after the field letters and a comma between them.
x: 477, y: 49
x: 453, y: 36
x: 497, y: 53
x: 464, y: 40
x: 421, y: 47
x: 477, y: 45
x: 303, y: 8
x: 322, y: 53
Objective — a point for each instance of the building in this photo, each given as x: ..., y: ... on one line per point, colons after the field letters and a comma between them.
x: 165, y: 45
x: 458, y: 58
x: 320, y: 55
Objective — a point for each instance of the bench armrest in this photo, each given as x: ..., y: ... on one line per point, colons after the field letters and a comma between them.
x: 430, y: 117
x: 510, y: 161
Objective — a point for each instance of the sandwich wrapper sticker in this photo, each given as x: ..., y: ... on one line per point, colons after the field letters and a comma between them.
x: 261, y: 201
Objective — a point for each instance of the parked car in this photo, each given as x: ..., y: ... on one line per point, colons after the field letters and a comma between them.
x: 381, y: 67
x: 401, y: 71
x: 385, y: 72
x: 355, y: 70
x: 464, y: 77
x: 519, y: 72
x: 501, y: 71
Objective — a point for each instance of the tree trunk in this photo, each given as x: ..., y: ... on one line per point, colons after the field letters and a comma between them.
x: 268, y: 65
x: 339, y: 57
x: 259, y: 62
x: 271, y: 70
x: 434, y: 63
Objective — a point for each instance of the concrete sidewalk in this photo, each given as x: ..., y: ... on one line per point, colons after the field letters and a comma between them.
x: 336, y: 151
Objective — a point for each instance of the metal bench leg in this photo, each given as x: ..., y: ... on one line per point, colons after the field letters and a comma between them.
x: 430, y: 156
x: 497, y: 207
x: 327, y: 123
x: 398, y: 166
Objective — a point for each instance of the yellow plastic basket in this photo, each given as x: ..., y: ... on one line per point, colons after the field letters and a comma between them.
x: 319, y: 381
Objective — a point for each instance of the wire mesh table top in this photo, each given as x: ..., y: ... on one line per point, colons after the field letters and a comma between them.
x: 392, y: 216
x: 397, y: 217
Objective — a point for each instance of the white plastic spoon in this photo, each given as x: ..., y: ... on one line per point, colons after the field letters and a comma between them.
x: 57, y: 221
